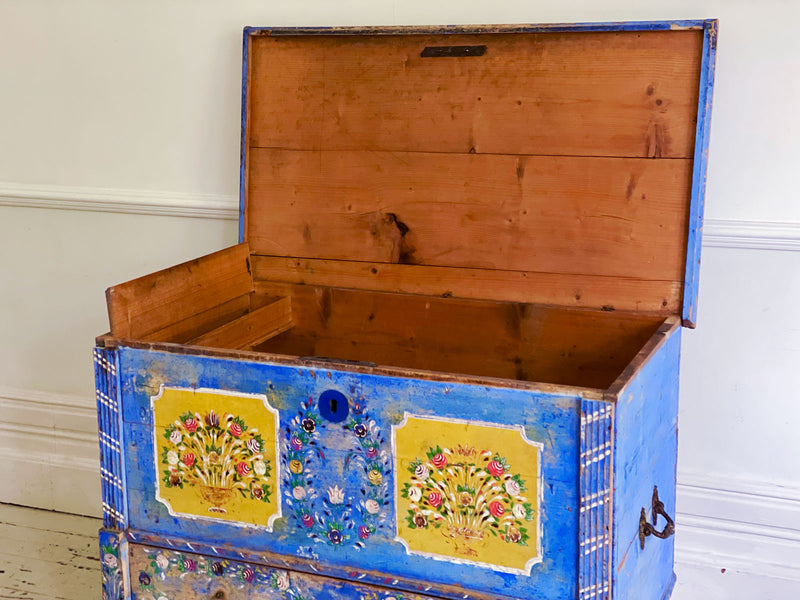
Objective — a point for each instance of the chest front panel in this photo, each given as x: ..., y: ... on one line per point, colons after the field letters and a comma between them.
x: 422, y: 481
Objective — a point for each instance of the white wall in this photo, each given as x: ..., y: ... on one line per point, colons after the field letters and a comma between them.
x: 126, y: 113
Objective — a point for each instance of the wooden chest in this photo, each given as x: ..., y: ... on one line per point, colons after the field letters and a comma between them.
x: 443, y: 360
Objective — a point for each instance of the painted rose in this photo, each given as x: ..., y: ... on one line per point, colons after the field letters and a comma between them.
x: 439, y: 460
x: 308, y: 425
x: 242, y: 469
x: 372, y: 506
x: 235, y: 429
x: 372, y: 452
x: 495, y: 468
x: 190, y: 424
x: 172, y: 457
x: 253, y: 445
x: 217, y: 568
x: 465, y: 498
x: 257, y: 492
x: 414, y: 494
x: 514, y: 535
x: 296, y: 443
x: 360, y: 430
x: 188, y: 459
x: 363, y: 532
x: 335, y: 495
x: 375, y: 477
x: 282, y: 581
x: 260, y: 467
x: 335, y: 536
x: 189, y: 565
x: 421, y: 472
x: 175, y: 437
x: 512, y: 487
x: 162, y: 562
x: 295, y: 466
x: 299, y: 492
x: 307, y: 520
x: 248, y: 574
x: 435, y: 499
x: 420, y: 520
x: 110, y: 561
x: 519, y: 511
x: 211, y: 419
x: 496, y: 509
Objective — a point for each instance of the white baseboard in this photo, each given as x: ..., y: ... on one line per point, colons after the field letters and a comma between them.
x: 717, y: 233
x: 48, y: 449
x: 49, y: 455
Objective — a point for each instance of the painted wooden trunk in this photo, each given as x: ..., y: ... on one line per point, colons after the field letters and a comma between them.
x: 443, y: 360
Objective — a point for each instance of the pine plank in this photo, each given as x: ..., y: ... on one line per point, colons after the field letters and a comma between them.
x: 159, y: 300
x: 561, y: 289
x: 196, y: 325
x: 510, y: 340
x: 252, y: 328
x: 587, y: 216
x: 580, y: 94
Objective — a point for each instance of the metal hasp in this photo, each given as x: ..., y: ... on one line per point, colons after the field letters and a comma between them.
x: 646, y: 528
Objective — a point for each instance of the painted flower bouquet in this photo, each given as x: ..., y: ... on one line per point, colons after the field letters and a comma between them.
x: 220, y: 455
x: 467, y: 494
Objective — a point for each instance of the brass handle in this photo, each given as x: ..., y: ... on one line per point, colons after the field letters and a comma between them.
x: 646, y: 528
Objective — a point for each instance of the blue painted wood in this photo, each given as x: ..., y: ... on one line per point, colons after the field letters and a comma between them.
x: 552, y: 420
x: 697, y: 203
x: 645, y: 451
x: 243, y: 142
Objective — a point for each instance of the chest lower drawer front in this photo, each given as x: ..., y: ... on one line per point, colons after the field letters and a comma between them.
x: 414, y: 481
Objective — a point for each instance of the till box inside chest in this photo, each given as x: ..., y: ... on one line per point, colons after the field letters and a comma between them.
x: 443, y: 359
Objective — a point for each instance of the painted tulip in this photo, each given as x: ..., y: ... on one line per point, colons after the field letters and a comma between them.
x: 497, y: 509
x: 335, y: 495
x: 495, y: 468
x: 435, y: 499
x: 439, y: 460
x: 211, y: 419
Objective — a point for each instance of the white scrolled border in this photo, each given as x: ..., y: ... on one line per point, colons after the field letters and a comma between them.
x: 526, y: 570
x: 277, y: 515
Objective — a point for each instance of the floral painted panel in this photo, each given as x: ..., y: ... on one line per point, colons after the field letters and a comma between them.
x: 215, y: 455
x: 468, y: 492
x: 161, y: 574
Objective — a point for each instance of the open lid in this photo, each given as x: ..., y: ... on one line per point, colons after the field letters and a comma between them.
x: 557, y: 164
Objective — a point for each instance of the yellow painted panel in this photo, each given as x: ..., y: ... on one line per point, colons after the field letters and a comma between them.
x: 216, y: 455
x: 468, y: 492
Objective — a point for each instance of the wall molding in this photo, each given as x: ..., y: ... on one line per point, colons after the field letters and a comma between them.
x: 717, y: 233
x: 49, y: 441
x: 126, y: 201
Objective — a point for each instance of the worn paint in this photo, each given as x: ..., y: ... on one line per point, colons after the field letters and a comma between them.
x: 644, y: 453
x: 332, y: 483
x: 697, y: 202
x: 114, y: 563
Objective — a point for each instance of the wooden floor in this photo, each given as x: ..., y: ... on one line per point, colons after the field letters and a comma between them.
x: 48, y: 556
x: 53, y: 556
